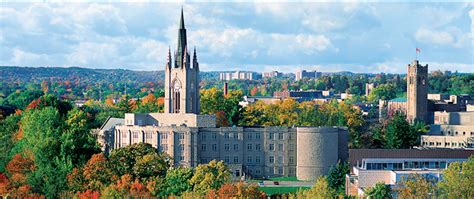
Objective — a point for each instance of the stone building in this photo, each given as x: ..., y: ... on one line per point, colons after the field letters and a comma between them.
x: 417, y: 87
x: 191, y: 138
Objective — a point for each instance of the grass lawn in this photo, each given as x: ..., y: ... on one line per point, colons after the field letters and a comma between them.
x: 280, y: 190
x: 276, y: 179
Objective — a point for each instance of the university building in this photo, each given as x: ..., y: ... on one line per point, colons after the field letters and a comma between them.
x: 191, y: 138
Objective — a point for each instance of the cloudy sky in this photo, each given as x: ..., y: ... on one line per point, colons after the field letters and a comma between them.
x: 335, y: 36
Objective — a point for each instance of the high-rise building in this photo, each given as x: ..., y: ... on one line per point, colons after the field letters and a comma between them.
x: 182, y: 78
x: 309, y: 74
x: 417, y: 86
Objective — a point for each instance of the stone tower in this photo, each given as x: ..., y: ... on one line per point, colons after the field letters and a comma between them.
x: 417, y: 86
x: 182, y: 77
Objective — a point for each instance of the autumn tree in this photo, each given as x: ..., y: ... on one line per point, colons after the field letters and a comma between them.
x: 210, y: 176
x: 150, y: 165
x: 320, y: 190
x: 457, y: 181
x: 415, y: 186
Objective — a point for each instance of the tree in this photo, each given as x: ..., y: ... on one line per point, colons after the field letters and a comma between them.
x: 8, y: 128
x: 177, y: 181
x: 320, y: 190
x: 458, y: 180
x: 97, y: 172
x: 151, y: 164
x: 399, y: 133
x: 384, y: 92
x: 337, y: 176
x: 415, y: 186
x: 379, y: 191
x: 210, y: 176
x: 123, y: 159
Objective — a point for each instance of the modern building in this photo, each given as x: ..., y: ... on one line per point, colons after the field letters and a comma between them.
x: 371, y: 166
x: 307, y: 74
x: 417, y: 87
x: 450, y: 130
x: 191, y: 138
x: 239, y: 75
x: 271, y: 74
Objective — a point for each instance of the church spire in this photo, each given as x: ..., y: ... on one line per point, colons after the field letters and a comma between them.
x: 181, y: 23
x: 181, y: 42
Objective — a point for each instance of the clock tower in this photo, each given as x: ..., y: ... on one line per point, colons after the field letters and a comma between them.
x: 182, y: 78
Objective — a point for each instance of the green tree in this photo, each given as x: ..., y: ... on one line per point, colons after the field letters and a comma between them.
x: 384, y: 92
x: 400, y: 134
x: 379, y: 191
x: 458, y: 180
x: 151, y: 164
x: 177, y: 181
x: 8, y: 128
x: 210, y: 176
x: 337, y: 176
x: 123, y: 159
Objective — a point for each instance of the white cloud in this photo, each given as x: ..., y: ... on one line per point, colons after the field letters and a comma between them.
x: 434, y: 37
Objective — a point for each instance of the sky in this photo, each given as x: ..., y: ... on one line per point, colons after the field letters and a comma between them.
x: 258, y: 36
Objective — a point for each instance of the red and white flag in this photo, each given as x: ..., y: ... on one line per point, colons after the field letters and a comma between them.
x: 418, y: 50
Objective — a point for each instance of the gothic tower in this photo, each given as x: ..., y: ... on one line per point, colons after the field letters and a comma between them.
x: 182, y: 78
x: 417, y: 86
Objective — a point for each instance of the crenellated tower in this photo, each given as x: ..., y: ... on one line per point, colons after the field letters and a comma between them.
x: 182, y: 77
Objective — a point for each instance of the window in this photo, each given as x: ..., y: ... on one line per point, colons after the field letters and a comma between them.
x: 203, y: 136
x: 164, y: 136
x: 280, y: 170
x: 280, y: 159
x: 257, y: 136
x: 249, y: 136
x: 124, y: 135
x: 249, y: 147
x: 271, y: 147
x: 227, y: 159
x: 181, y: 147
x: 257, y: 147
x: 181, y: 158
x: 291, y: 159
x: 203, y: 147
x: 270, y: 136
x: 226, y: 147
x: 203, y: 161
x: 292, y: 147
x: 164, y: 147
x: 257, y: 159
x: 280, y: 147
x: 249, y: 159
x: 236, y: 159
x: 271, y: 159
x: 149, y: 135
x: 236, y: 147
x: 236, y: 136
x: 180, y: 136
x: 292, y: 136
x: 214, y: 147
x: 135, y: 134
x: 226, y: 136
x: 214, y: 136
x: 280, y: 136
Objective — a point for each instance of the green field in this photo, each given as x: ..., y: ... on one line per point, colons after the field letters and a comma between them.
x: 280, y: 179
x: 280, y: 190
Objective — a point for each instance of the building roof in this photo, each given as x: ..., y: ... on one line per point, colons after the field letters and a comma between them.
x: 356, y: 155
x: 400, y: 99
x: 111, y: 122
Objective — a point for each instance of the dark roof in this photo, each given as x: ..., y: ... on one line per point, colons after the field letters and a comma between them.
x: 356, y: 155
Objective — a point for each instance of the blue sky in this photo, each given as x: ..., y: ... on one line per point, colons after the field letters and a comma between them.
x: 335, y: 36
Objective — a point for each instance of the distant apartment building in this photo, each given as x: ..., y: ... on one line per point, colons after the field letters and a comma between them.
x: 271, y: 74
x: 307, y: 74
x: 450, y: 130
x: 371, y: 166
x: 238, y: 75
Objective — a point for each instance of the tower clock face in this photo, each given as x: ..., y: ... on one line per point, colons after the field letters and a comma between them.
x: 176, y: 84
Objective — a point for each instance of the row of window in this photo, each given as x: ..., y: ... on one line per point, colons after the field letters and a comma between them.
x: 250, y: 147
x: 406, y: 165
x: 456, y: 133
x: 250, y: 136
x: 446, y: 144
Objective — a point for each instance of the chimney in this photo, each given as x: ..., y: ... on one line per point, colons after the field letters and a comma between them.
x: 225, y: 89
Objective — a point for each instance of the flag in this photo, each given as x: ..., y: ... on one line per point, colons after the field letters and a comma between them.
x: 418, y: 50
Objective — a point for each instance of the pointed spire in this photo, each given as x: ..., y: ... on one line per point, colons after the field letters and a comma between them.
x: 181, y: 23
x: 194, y: 54
x: 185, y: 57
x: 168, y: 63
